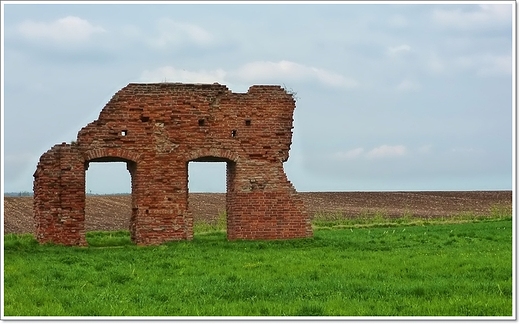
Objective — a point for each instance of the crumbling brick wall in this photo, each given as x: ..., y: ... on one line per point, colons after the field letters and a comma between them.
x: 157, y: 129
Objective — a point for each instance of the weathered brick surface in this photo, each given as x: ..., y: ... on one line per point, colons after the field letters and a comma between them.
x: 157, y: 129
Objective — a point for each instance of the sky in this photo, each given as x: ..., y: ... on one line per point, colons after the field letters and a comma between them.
x: 390, y: 97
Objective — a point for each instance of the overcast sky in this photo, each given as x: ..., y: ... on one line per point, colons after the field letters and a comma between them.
x: 390, y: 96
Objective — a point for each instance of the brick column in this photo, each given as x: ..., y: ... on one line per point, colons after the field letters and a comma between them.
x: 263, y: 204
x: 59, y: 196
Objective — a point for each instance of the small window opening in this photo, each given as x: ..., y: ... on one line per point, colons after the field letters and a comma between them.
x: 124, y: 132
x: 248, y: 122
x: 234, y: 133
x: 201, y: 122
x: 144, y: 119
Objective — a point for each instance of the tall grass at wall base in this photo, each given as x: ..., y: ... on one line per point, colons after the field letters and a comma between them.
x: 380, y: 217
x: 217, y: 225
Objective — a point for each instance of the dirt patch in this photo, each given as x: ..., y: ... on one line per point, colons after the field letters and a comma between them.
x: 112, y: 212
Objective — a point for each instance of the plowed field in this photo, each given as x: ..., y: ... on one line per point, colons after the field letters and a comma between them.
x: 113, y: 212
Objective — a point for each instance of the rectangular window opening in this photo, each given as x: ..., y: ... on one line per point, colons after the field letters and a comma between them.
x: 201, y: 122
x: 124, y: 132
x: 248, y: 122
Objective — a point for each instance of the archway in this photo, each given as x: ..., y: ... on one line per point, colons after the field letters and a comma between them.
x: 209, y: 181
x: 109, y: 196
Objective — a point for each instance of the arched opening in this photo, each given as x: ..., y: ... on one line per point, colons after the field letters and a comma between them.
x: 108, y: 201
x: 208, y: 184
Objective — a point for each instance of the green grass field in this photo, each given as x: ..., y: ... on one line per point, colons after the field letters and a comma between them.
x: 440, y: 269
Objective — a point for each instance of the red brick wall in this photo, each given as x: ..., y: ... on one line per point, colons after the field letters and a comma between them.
x: 158, y: 129
x: 59, y: 196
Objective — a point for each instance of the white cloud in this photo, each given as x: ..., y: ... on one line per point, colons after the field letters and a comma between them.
x: 464, y: 62
x: 496, y: 65
x: 425, y: 149
x: 261, y: 71
x: 466, y: 150
x: 254, y: 72
x: 131, y: 32
x: 398, y: 21
x: 384, y: 151
x: 265, y: 70
x: 435, y: 65
x: 171, y: 74
x: 69, y: 29
x: 408, y: 85
x: 349, y: 155
x: 486, y: 65
x: 486, y: 16
x: 176, y: 33
x: 395, y: 50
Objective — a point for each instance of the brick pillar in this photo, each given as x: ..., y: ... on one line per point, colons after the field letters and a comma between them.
x: 132, y: 167
x: 59, y: 196
x: 161, y: 195
x: 263, y: 204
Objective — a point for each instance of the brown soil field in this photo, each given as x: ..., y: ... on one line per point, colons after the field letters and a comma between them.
x: 112, y: 212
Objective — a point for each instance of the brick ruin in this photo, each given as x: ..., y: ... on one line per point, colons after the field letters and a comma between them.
x: 157, y: 129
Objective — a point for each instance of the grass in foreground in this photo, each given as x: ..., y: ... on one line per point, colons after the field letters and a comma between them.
x: 436, y: 270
